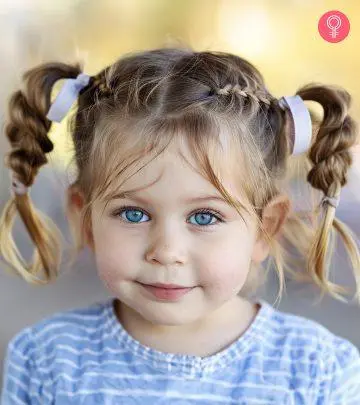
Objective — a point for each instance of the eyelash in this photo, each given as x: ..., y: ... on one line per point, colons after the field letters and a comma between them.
x: 213, y: 212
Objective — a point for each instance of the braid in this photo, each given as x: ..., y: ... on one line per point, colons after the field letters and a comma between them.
x: 27, y: 132
x: 99, y: 83
x: 256, y: 96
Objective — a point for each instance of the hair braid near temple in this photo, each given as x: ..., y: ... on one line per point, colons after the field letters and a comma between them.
x: 198, y: 93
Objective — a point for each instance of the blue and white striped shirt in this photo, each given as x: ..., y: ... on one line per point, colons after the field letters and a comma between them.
x: 85, y: 356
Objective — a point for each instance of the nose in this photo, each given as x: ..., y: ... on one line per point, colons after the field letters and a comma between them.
x: 166, y: 249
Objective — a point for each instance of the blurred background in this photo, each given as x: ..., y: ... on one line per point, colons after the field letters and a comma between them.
x: 279, y: 36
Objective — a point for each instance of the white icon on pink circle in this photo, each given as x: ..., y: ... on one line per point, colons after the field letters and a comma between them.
x: 333, y: 27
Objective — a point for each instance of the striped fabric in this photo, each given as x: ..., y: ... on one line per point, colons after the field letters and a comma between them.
x: 84, y: 356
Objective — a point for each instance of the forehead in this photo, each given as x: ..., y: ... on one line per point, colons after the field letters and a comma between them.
x: 170, y: 162
x: 175, y: 172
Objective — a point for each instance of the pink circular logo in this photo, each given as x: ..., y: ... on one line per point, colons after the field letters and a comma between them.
x: 334, y: 26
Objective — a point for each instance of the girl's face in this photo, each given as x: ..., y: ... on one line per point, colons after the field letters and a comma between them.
x: 161, y: 236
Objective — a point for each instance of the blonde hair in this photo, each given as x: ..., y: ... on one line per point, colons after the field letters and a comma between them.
x: 218, y: 103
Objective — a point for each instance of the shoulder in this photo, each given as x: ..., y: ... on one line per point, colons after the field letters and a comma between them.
x: 290, y: 328
x: 36, y: 353
x: 76, y: 325
x: 284, y: 328
x: 342, y: 364
x: 330, y: 361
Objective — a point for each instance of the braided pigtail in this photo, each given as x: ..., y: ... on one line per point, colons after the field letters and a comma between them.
x: 27, y: 130
x: 331, y: 159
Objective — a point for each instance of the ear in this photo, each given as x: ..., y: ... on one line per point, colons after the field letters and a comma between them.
x: 274, y: 216
x: 76, y: 202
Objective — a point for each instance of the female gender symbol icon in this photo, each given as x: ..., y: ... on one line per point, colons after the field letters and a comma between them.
x: 333, y: 28
x: 337, y: 22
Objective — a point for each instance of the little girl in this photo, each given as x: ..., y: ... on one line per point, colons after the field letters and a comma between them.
x: 163, y: 140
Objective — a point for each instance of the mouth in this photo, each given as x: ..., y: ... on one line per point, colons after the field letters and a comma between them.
x: 166, y: 292
x: 167, y: 286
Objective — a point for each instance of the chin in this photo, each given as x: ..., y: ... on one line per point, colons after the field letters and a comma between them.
x: 166, y: 316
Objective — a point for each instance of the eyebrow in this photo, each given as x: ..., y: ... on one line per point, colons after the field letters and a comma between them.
x: 131, y: 195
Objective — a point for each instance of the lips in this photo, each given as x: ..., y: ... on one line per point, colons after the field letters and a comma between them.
x: 167, y: 292
x: 167, y: 286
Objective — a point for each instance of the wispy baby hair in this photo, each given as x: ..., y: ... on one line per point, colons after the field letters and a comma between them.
x: 217, y: 102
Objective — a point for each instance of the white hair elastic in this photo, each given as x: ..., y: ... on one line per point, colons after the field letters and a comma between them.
x: 333, y: 201
x: 66, y: 97
x: 16, y: 185
x: 301, y: 122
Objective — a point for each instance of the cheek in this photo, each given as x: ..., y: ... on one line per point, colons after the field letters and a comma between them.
x: 115, y: 256
x: 226, y: 267
x: 108, y: 276
x: 226, y: 279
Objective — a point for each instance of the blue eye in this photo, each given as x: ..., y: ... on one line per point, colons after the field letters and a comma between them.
x: 135, y: 214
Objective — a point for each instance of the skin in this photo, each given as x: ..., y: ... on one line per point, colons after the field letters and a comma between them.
x: 166, y: 240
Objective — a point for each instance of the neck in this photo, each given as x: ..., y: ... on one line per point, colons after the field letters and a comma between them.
x: 201, y: 338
